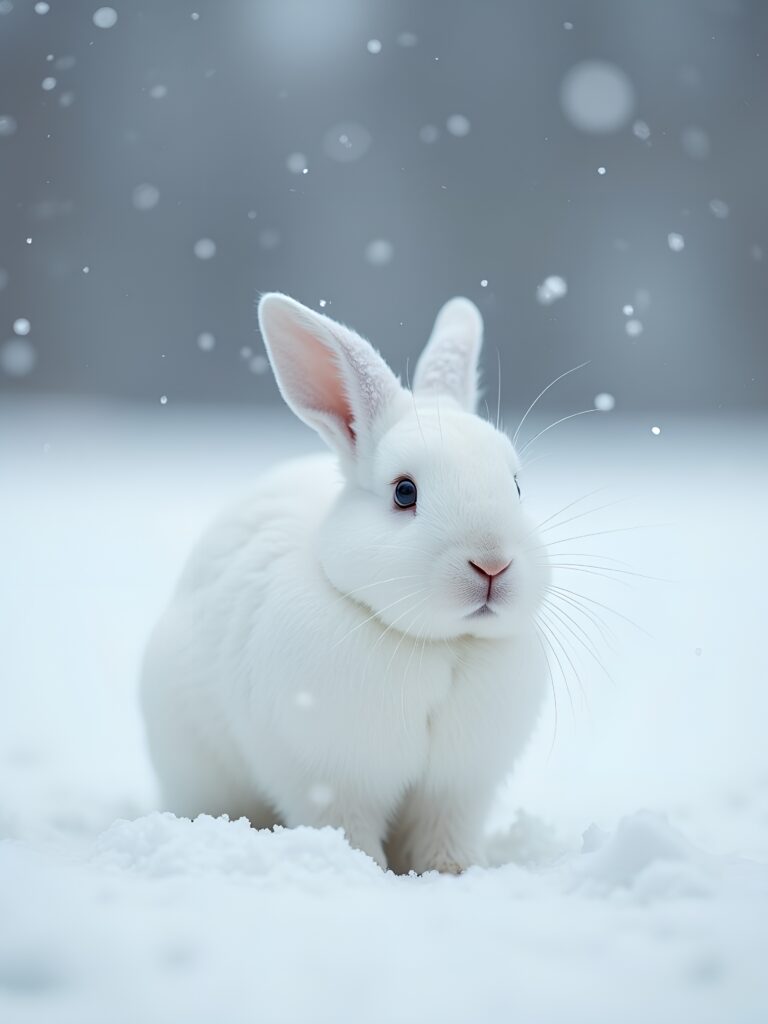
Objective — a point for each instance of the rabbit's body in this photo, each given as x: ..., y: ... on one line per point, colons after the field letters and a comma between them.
x: 279, y: 686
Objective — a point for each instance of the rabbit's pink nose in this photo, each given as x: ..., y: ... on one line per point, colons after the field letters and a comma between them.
x: 490, y: 567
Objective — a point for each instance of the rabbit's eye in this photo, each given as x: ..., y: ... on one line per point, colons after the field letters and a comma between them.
x: 517, y: 485
x: 405, y: 493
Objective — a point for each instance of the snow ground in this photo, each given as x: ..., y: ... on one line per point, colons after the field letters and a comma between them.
x: 112, y: 913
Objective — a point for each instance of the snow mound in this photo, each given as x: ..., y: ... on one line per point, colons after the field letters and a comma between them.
x: 161, y: 845
x: 645, y: 857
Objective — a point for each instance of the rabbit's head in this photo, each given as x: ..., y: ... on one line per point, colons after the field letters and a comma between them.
x: 428, y: 531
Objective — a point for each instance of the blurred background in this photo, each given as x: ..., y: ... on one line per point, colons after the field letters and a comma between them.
x: 591, y: 174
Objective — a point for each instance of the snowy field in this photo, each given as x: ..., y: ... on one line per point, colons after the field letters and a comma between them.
x: 632, y: 844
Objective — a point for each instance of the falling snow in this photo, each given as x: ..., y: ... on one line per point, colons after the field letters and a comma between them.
x: 145, y: 197
x: 296, y: 163
x: 458, y: 125
x: 379, y: 252
x: 696, y: 144
x: 551, y: 289
x: 719, y: 208
x: 17, y: 357
x: 597, y: 97
x: 604, y: 402
x: 675, y: 241
x: 347, y: 142
x: 204, y: 248
x: 105, y: 17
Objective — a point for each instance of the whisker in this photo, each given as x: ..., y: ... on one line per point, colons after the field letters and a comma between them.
x: 561, y: 645
x: 376, y: 583
x: 589, y: 572
x: 605, y: 607
x: 560, y: 614
x: 591, y: 554
x: 565, y: 508
x: 606, y: 633
x: 600, y: 533
x: 539, y: 636
x: 360, y: 625
x: 541, y: 394
x: 607, y: 569
x: 498, y: 397
x: 413, y: 398
x: 549, y: 636
x: 589, y: 512
x: 573, y: 415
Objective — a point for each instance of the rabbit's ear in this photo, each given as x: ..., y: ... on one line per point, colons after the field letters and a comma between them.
x: 448, y: 364
x: 328, y: 375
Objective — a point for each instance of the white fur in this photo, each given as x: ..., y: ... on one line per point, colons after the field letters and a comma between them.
x: 321, y: 662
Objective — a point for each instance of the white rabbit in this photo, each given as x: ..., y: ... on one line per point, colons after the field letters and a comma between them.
x: 355, y: 646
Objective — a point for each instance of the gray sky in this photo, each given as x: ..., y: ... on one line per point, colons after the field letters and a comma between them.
x: 446, y: 144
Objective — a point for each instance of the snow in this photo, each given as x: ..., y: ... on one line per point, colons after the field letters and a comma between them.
x: 458, y: 125
x: 145, y: 197
x: 604, y: 402
x: 634, y: 886
x: 8, y: 125
x: 675, y: 241
x: 296, y: 163
x: 206, y: 341
x: 373, y: 46
x: 407, y: 39
x: 204, y: 248
x: 634, y: 328
x: 347, y: 141
x: 551, y: 289
x: 597, y: 96
x: 21, y: 326
x: 696, y: 143
x: 17, y: 357
x: 379, y: 252
x: 105, y: 17
x: 49, y: 83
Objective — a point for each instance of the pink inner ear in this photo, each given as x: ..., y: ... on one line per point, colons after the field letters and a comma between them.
x: 314, y: 376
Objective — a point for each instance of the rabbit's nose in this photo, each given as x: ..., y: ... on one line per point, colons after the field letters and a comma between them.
x: 490, y: 567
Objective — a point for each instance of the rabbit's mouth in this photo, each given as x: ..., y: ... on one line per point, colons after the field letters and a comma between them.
x: 483, y: 610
